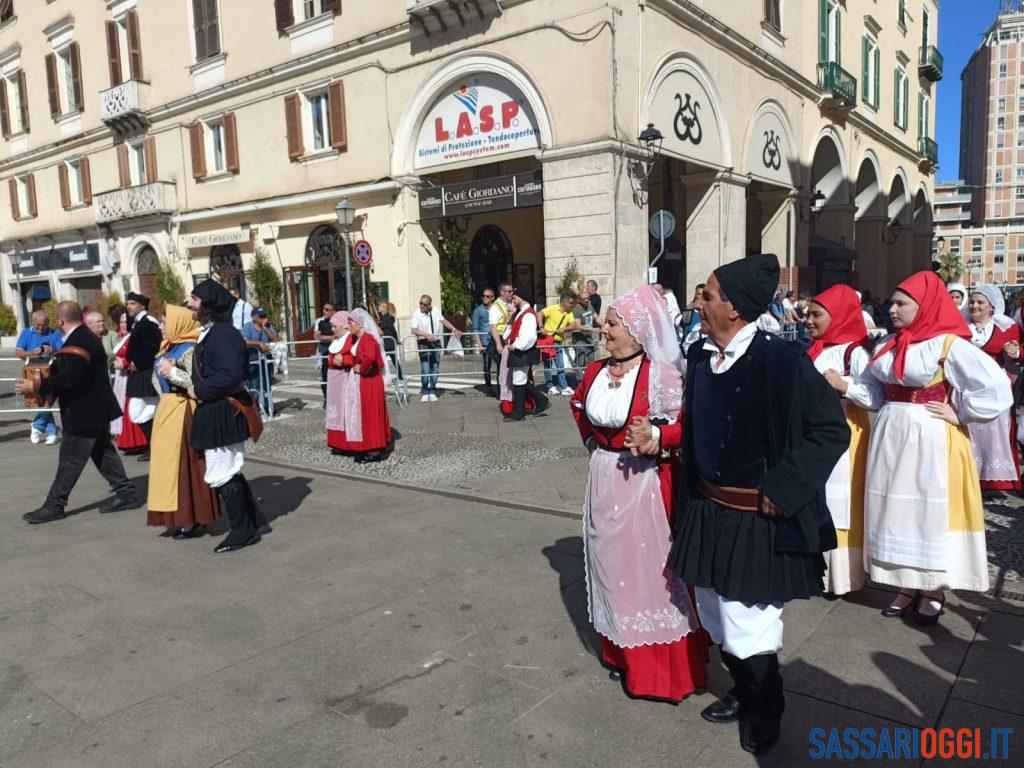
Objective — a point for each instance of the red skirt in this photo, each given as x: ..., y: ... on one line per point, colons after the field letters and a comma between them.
x: 669, y: 671
x: 376, y: 423
x: 131, y: 435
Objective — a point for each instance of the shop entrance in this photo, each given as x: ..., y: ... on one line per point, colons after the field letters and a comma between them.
x: 490, y: 258
x: 321, y: 280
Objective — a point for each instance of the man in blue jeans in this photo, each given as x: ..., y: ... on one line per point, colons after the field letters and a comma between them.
x: 482, y: 334
x: 39, y: 340
x: 428, y: 326
x: 258, y: 333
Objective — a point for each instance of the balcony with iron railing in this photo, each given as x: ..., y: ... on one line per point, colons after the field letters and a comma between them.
x: 124, y: 106
x: 929, y: 63
x: 438, y: 17
x: 157, y: 198
x: 928, y: 149
x: 840, y: 84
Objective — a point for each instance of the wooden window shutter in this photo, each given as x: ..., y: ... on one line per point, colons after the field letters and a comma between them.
x: 293, y: 123
x: 195, y: 133
x: 78, y: 98
x: 114, y: 53
x: 5, y: 116
x: 336, y: 108
x: 212, y: 28
x: 51, y: 85
x: 131, y: 23
x: 122, y: 166
x: 33, y: 210
x: 199, y: 23
x: 285, y: 14
x: 23, y: 100
x: 83, y: 169
x: 65, y: 188
x: 15, y: 209
x: 332, y: 6
x: 149, y: 149
x: 231, y: 142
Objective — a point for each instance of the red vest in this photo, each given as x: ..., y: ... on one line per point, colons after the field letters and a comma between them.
x: 517, y: 323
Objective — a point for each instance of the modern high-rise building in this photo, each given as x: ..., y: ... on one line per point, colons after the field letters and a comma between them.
x: 144, y: 135
x: 981, y: 215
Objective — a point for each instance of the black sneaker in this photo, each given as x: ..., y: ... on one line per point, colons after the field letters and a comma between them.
x: 43, y: 515
x: 120, y: 502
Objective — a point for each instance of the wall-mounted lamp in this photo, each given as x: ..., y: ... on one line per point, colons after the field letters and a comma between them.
x: 892, y: 231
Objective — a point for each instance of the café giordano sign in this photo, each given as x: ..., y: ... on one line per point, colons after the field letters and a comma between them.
x: 686, y: 115
x: 482, y: 117
x: 219, y: 237
x: 524, y: 190
x: 770, y: 156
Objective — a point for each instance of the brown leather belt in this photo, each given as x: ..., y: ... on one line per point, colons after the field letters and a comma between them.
x: 743, y: 499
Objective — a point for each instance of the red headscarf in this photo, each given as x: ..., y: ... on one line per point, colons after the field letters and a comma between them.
x: 937, y: 316
x: 847, y: 325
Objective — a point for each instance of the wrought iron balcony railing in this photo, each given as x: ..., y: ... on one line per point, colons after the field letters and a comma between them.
x: 928, y: 149
x: 929, y: 63
x: 833, y: 78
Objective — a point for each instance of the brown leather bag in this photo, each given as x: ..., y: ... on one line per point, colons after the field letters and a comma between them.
x: 251, y: 414
x: 36, y: 372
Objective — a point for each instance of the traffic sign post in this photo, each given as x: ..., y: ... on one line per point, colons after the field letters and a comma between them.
x: 662, y: 225
x: 362, y: 252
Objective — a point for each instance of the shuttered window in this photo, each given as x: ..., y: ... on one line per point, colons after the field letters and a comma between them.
x: 5, y: 115
x: 131, y: 25
x: 336, y: 108
x: 293, y: 125
x: 285, y: 14
x: 86, y: 181
x: 231, y: 142
x: 6, y: 10
x: 149, y: 156
x: 12, y: 191
x: 198, y: 149
x: 871, y: 63
x: 123, y: 171
x: 114, y: 52
x: 23, y: 100
x: 206, y: 22
x: 65, y: 186
x: 77, y: 97
x: 52, y: 88
x: 773, y: 14
x: 30, y: 194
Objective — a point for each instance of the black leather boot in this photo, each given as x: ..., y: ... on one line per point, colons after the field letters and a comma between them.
x: 235, y: 500
x: 518, y: 404
x: 540, y: 401
x: 762, y: 721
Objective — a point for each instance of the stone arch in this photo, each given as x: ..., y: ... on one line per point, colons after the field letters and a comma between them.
x: 828, y: 169
x: 457, y: 68
x: 681, y: 65
x: 922, y: 212
x: 898, y: 199
x: 868, y: 187
x: 770, y: 127
x: 142, y: 250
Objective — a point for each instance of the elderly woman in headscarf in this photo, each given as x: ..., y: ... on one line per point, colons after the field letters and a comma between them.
x: 179, y: 498
x: 367, y: 426
x: 841, y: 351
x: 924, y: 525
x: 339, y: 367
x: 649, y: 631
x: 995, y: 442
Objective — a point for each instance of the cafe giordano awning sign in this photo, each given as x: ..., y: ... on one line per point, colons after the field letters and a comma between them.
x: 687, y: 116
x: 479, y: 118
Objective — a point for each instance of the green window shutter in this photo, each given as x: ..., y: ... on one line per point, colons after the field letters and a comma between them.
x: 920, y: 114
x: 822, y: 31
x: 878, y: 77
x: 896, y: 96
x: 906, y: 101
x: 865, y: 51
x: 839, y: 36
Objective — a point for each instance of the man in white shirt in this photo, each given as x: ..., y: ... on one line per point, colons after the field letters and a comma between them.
x: 241, y: 312
x: 428, y: 326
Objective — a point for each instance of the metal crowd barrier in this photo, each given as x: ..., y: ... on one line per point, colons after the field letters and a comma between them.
x: 25, y: 410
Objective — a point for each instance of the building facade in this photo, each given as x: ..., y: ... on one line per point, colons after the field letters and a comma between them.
x: 193, y: 135
x: 982, y: 215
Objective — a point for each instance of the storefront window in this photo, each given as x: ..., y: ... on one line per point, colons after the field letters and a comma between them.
x: 226, y: 268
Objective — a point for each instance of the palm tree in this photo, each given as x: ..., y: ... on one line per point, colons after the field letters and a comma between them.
x: 951, y: 266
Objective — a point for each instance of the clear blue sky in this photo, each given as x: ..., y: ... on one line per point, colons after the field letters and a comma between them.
x: 961, y: 25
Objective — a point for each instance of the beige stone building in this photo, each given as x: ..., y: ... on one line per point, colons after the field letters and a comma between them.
x: 137, y: 132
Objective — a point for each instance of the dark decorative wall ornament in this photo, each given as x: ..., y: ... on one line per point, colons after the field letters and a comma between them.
x: 771, y: 156
x: 687, y: 123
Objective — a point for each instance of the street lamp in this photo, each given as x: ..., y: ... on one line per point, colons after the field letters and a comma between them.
x: 15, y: 259
x: 346, y: 213
x: 972, y: 263
x: 892, y: 231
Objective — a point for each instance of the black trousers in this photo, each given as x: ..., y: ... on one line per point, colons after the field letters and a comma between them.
x: 75, y: 452
x: 758, y: 685
x: 147, y: 430
x: 323, y: 378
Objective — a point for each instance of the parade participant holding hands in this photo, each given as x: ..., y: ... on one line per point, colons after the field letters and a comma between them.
x: 521, y: 354
x: 179, y: 498
x: 762, y: 433
x: 141, y: 352
x: 629, y: 503
x: 226, y: 416
x: 923, y: 518
x: 339, y: 367
x: 367, y: 426
x: 995, y: 442
x: 840, y: 349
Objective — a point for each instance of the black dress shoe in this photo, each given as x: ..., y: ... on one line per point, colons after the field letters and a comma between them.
x: 616, y: 675
x: 119, y: 503
x: 514, y: 418
x: 227, y: 546
x: 757, y: 736
x: 43, y: 515
x: 928, y: 619
x: 725, y: 710
x: 891, y: 612
x: 360, y: 458
x: 192, y: 532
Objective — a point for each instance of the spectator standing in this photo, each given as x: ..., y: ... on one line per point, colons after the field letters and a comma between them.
x: 39, y: 340
x: 258, y: 333
x: 323, y: 332
x: 501, y: 312
x: 428, y: 326
x: 595, y: 298
x: 694, y: 322
x: 242, y: 310
x: 790, y: 318
x: 386, y: 311
x: 555, y: 320
x: 776, y: 309
x: 584, y: 330
x: 482, y: 333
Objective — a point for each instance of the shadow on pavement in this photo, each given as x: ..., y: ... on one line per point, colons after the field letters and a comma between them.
x: 566, y: 557
x: 279, y: 496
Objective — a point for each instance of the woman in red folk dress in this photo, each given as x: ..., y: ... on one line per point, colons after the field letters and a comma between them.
x: 367, y: 425
x: 339, y: 368
x: 650, y: 634
x: 130, y: 439
x: 995, y: 442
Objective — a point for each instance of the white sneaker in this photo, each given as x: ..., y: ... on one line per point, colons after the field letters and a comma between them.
x: 568, y: 391
x: 424, y: 398
x: 433, y: 398
x: 553, y: 390
x: 36, y: 437
x: 51, y: 439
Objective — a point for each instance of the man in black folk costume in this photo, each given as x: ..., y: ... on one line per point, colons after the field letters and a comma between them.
x: 762, y: 432
x: 142, y: 351
x: 226, y: 415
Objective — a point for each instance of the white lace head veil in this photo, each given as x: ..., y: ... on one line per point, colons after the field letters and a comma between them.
x: 994, y: 296
x: 645, y: 314
x: 370, y: 327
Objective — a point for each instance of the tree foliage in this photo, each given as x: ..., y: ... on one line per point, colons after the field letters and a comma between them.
x: 267, y: 286
x: 456, y: 298
x: 169, y: 288
x: 571, y: 279
x: 8, y: 321
x: 951, y: 267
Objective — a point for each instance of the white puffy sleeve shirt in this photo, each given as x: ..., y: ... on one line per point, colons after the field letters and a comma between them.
x: 864, y: 389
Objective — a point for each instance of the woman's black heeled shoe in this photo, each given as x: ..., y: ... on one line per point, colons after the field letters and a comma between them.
x: 895, y: 613
x: 928, y: 619
x: 615, y: 675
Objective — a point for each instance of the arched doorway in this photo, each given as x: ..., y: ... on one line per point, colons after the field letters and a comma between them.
x: 226, y: 267
x: 147, y: 264
x: 321, y: 280
x: 869, y: 221
x: 833, y: 219
x: 898, y: 237
x: 923, y: 233
x: 490, y: 258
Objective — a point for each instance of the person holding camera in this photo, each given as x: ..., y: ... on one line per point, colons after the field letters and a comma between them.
x: 39, y: 341
x: 258, y: 334
x: 428, y: 325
